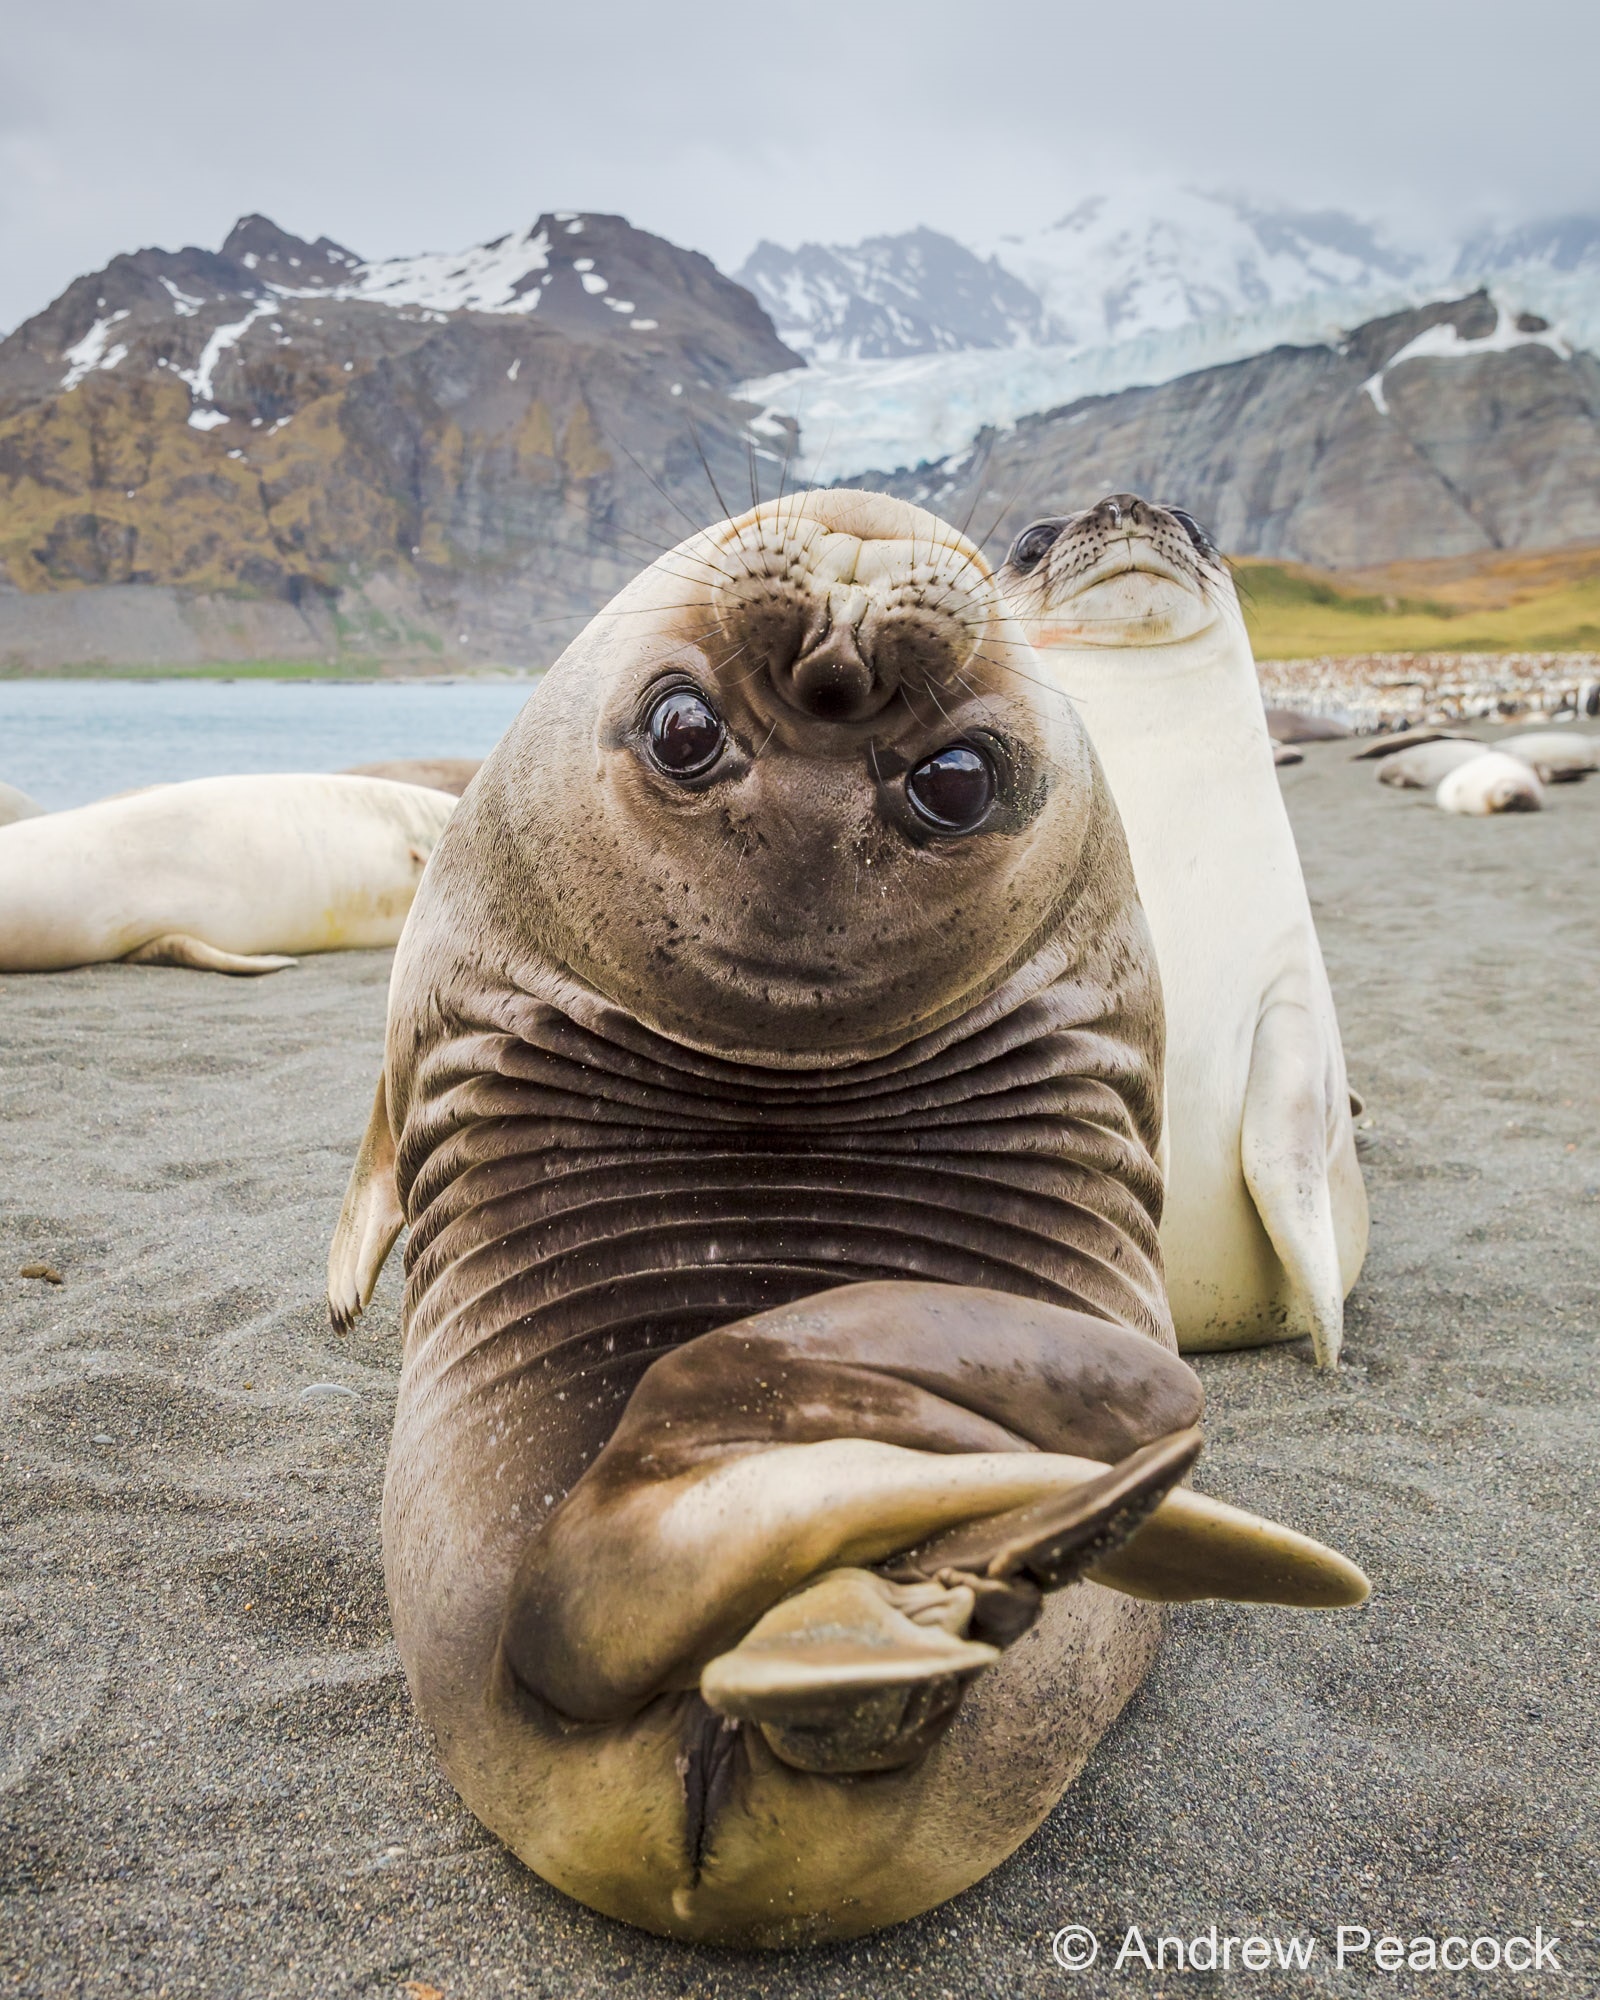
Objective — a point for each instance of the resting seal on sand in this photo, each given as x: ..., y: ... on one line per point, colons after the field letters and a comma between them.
x: 1492, y: 783
x: 15, y: 805
x: 1265, y: 1226
x: 1557, y: 757
x: 772, y: 1085
x: 1289, y: 725
x: 1421, y: 768
x: 222, y: 874
x: 439, y: 774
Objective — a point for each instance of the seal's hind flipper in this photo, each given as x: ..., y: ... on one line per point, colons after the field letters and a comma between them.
x: 369, y: 1221
x: 1283, y: 1146
x: 853, y: 1673
x: 1055, y: 1540
x: 177, y: 948
x: 1193, y: 1546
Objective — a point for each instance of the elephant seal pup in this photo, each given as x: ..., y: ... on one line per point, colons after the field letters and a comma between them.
x: 1291, y: 725
x: 1420, y: 768
x: 772, y: 1084
x: 15, y: 805
x: 221, y: 874
x: 1285, y: 753
x: 1393, y: 741
x: 438, y: 774
x: 1492, y: 783
x: 1265, y: 1226
x: 1556, y: 756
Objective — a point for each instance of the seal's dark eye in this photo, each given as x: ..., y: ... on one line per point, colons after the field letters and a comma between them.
x: 686, y: 734
x: 953, y: 789
x: 1033, y: 545
x: 1191, y: 527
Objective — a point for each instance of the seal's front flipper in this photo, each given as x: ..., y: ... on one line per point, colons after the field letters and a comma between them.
x: 176, y: 948
x: 860, y: 1672
x: 369, y: 1221
x: 1284, y: 1151
x: 853, y: 1673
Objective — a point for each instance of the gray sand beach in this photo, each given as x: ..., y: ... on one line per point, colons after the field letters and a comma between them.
x: 210, y: 1779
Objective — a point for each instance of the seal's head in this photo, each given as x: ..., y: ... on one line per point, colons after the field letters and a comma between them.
x: 1122, y: 573
x: 799, y: 793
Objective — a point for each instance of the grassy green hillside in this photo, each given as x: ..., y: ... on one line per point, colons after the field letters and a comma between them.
x: 1544, y: 602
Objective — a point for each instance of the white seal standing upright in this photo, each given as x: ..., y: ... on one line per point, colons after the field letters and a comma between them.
x: 1265, y: 1228
x: 221, y: 874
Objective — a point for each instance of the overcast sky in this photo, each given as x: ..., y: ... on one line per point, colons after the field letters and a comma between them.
x: 407, y: 124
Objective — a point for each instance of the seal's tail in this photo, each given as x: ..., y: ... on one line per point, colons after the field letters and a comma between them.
x: 828, y: 1518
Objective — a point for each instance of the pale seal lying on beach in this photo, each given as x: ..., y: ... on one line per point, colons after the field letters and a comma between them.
x: 439, y: 774
x: 1265, y: 1228
x: 1420, y: 768
x: 1285, y: 753
x: 772, y: 1087
x: 221, y: 874
x: 1492, y: 783
x: 1557, y: 756
x: 1291, y: 725
x: 1393, y: 741
x: 15, y: 805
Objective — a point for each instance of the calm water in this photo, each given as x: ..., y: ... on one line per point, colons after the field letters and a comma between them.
x: 66, y: 742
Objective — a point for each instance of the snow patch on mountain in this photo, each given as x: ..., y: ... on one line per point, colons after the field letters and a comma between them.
x: 1446, y: 342
x: 497, y: 277
x: 93, y: 351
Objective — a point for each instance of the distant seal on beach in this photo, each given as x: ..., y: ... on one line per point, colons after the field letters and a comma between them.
x: 1492, y: 783
x: 1285, y: 753
x: 438, y: 774
x: 1425, y: 764
x: 772, y: 1087
x: 221, y: 874
x: 1289, y: 725
x: 15, y: 805
x: 1265, y: 1226
x: 1393, y: 741
x: 1557, y: 756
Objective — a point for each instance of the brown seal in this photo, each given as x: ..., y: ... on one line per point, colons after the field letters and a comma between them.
x: 772, y: 1087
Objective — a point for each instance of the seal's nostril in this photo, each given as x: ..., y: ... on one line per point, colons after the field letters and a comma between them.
x: 833, y: 685
x: 837, y: 678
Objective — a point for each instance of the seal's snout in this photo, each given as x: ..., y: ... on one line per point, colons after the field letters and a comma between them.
x: 842, y: 601
x: 839, y: 674
x: 1123, y: 511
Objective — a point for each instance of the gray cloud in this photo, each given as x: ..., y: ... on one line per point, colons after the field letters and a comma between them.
x: 416, y: 125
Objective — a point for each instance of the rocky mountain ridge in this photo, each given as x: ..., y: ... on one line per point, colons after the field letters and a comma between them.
x: 280, y: 450
x: 427, y: 455
x: 1445, y: 430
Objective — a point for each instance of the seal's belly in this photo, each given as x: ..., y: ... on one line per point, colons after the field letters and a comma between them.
x: 577, y: 1209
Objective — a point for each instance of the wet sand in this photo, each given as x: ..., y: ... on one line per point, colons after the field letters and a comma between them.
x: 210, y: 1781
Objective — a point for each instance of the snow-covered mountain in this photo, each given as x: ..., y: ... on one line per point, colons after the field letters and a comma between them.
x: 1117, y: 267
x: 1137, y: 286
x: 919, y: 293
x: 1135, y: 261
